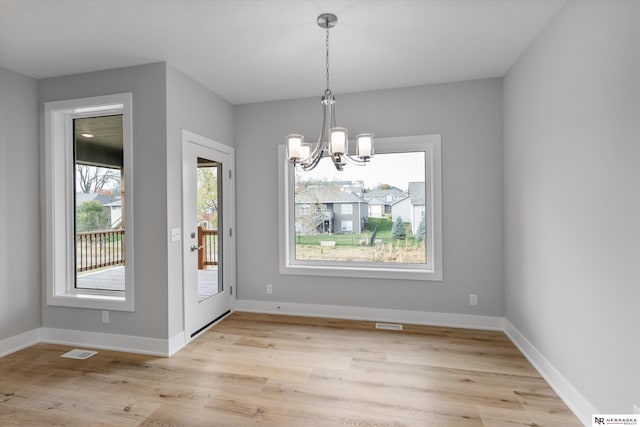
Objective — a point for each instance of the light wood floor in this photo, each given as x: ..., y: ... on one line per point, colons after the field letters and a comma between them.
x: 264, y: 370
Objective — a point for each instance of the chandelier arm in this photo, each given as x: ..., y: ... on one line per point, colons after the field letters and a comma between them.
x: 354, y: 160
x: 318, y: 149
x: 313, y: 164
x: 333, y: 116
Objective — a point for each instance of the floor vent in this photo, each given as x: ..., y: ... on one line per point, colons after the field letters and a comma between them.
x: 79, y: 354
x: 389, y: 326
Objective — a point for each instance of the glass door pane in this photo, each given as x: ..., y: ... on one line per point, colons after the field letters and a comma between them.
x: 208, y: 201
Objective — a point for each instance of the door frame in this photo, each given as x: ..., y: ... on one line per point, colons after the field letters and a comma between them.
x: 228, y: 232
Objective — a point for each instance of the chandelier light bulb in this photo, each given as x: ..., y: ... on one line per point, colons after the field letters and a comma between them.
x: 365, y: 145
x: 305, y: 154
x: 294, y: 146
x: 338, y: 143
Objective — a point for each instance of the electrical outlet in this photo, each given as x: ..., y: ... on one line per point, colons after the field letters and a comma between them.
x: 105, y: 316
x: 175, y: 234
x: 473, y: 299
x: 269, y: 288
x: 636, y: 409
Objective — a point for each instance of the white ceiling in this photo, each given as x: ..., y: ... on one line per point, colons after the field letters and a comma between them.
x: 251, y: 51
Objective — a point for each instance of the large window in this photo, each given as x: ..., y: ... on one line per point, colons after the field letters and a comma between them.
x: 352, y: 237
x: 89, y: 215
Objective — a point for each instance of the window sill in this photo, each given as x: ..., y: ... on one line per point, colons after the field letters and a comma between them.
x: 363, y: 272
x: 92, y: 301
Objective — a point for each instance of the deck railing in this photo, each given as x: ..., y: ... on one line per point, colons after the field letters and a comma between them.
x: 97, y: 249
x: 208, y: 241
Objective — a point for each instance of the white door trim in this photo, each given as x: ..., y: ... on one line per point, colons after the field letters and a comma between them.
x: 229, y: 258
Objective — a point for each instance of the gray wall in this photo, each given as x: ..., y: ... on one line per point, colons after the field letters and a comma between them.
x: 19, y: 205
x: 195, y: 108
x: 469, y: 117
x: 147, y: 83
x: 572, y: 206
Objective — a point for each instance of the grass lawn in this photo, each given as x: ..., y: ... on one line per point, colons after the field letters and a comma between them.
x: 353, y: 239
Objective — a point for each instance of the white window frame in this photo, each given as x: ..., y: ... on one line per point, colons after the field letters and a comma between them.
x: 59, y: 177
x: 432, y: 271
x: 346, y: 209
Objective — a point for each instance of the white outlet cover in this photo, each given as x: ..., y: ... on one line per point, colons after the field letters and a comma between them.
x: 175, y: 234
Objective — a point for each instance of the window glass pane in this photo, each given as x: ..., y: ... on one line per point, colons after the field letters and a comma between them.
x: 346, y: 225
x: 99, y: 203
x: 367, y: 214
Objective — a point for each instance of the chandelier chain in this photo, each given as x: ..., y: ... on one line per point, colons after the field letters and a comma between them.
x: 328, y: 90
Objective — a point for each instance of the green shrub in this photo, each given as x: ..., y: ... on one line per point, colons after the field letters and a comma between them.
x: 399, y: 230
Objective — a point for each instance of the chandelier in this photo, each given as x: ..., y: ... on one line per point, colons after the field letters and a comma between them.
x: 333, y: 141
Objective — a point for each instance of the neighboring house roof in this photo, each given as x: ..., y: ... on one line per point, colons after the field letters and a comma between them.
x: 378, y: 201
x: 405, y: 198
x: 355, y: 186
x: 395, y: 191
x: 416, y: 194
x: 326, y: 194
x: 117, y: 203
x: 100, y: 198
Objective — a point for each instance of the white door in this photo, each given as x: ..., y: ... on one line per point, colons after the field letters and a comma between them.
x: 207, y: 209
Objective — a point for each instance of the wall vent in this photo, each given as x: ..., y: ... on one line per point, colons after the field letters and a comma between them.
x: 79, y: 354
x: 389, y: 326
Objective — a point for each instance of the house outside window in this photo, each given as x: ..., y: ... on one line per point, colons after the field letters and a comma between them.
x: 346, y: 209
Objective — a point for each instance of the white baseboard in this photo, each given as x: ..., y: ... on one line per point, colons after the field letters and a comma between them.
x: 18, y: 342
x: 126, y: 343
x: 176, y: 343
x: 116, y: 342
x: 373, y: 314
x: 579, y: 405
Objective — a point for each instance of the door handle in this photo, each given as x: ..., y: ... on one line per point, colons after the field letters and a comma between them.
x: 196, y: 248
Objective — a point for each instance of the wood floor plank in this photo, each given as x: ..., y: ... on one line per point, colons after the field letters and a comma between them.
x: 257, y: 369
x: 12, y: 416
x: 274, y: 410
x: 185, y: 370
x: 276, y: 357
x: 80, y: 405
x: 429, y: 389
x: 380, y: 402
